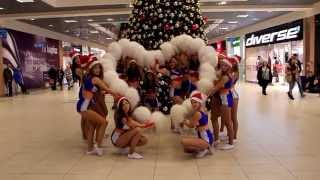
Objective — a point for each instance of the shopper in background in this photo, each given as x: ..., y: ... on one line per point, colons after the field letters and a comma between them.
x: 8, y: 77
x: 299, y: 81
x: 60, y: 78
x: 292, y: 75
x: 68, y: 74
x: 17, y: 76
x: 53, y: 78
x: 264, y: 77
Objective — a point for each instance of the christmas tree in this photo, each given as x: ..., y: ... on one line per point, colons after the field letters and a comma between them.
x: 154, y: 22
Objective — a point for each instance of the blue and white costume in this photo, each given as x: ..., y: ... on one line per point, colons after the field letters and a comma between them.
x: 86, y: 94
x: 205, y: 134
x: 226, y: 94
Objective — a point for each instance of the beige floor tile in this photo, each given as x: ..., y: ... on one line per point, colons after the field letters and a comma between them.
x: 276, y: 138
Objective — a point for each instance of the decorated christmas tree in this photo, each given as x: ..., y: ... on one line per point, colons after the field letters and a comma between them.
x: 156, y: 21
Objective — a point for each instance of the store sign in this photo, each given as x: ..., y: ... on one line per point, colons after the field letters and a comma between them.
x: 287, y: 32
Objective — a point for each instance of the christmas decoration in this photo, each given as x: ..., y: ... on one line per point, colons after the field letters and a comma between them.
x: 161, y: 20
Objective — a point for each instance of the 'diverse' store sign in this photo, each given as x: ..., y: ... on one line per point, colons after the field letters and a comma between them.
x: 278, y: 34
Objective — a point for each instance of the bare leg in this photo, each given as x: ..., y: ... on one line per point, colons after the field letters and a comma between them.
x: 143, y: 141
x: 94, y: 118
x: 215, y: 113
x: 90, y: 135
x: 83, y: 128
x: 194, y: 145
x: 134, y: 141
x: 226, y: 116
x: 125, y: 139
x: 234, y: 117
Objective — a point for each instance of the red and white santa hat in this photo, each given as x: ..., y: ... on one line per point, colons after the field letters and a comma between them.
x: 237, y: 58
x: 120, y: 100
x: 197, y: 96
x: 227, y: 61
x: 74, y: 54
x: 87, y: 62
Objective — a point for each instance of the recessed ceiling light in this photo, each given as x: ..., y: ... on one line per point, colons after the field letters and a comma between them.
x: 242, y: 15
x: 90, y: 20
x: 50, y: 25
x: 256, y: 19
x: 25, y: 1
x: 233, y: 22
x: 108, y: 38
x: 70, y: 21
x: 32, y: 19
x: 1, y: 8
x: 109, y: 19
x: 224, y: 28
x: 222, y: 3
x: 67, y: 31
x: 94, y: 32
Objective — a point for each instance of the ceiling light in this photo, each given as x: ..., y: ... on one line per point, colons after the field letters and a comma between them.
x: 32, y: 19
x: 1, y: 8
x: 242, y: 15
x: 233, y: 22
x: 94, y: 32
x: 256, y: 19
x: 90, y: 20
x: 70, y: 21
x: 25, y: 1
x: 50, y: 25
x: 109, y: 19
x: 222, y: 3
x: 108, y: 38
x: 224, y: 28
x: 67, y: 31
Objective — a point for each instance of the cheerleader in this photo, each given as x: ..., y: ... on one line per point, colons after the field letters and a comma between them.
x: 200, y: 145
x: 133, y: 74
x: 127, y: 134
x: 223, y: 90
x: 149, y: 88
x: 92, y: 83
x: 234, y: 110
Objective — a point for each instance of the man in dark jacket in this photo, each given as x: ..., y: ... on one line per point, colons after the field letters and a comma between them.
x: 264, y: 77
x: 53, y: 78
x: 8, y: 78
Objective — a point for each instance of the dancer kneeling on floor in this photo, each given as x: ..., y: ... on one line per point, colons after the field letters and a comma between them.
x: 200, y: 145
x: 92, y: 83
x: 127, y: 134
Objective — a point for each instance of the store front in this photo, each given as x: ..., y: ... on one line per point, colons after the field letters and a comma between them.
x: 275, y: 45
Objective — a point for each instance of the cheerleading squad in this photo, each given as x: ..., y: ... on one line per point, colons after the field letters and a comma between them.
x: 161, y: 86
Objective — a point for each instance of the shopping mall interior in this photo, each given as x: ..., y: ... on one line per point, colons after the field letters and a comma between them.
x: 159, y: 89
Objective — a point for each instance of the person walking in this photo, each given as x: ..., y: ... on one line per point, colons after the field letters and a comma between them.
x: 8, y: 78
x: 68, y: 74
x: 264, y: 77
x: 53, y: 78
x: 292, y: 75
x: 60, y: 73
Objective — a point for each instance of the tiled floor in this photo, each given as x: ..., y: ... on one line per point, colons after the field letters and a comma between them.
x: 279, y: 139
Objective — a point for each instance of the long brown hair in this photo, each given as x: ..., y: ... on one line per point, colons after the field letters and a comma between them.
x: 101, y: 76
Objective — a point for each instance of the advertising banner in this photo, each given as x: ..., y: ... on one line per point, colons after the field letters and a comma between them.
x: 31, y: 56
x: 287, y: 32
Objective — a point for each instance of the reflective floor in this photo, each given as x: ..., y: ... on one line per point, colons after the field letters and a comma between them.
x: 279, y: 139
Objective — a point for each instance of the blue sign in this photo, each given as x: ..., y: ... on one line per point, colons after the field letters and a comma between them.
x: 3, y: 33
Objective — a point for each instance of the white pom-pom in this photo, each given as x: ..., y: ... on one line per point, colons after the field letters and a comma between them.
x: 204, y: 86
x: 133, y: 96
x: 123, y: 43
x: 149, y: 58
x: 119, y: 86
x: 137, y: 51
x: 177, y: 114
x: 109, y: 76
x: 210, y: 58
x: 159, y: 56
x: 115, y: 50
x: 188, y: 107
x: 168, y: 50
x: 207, y: 71
x: 197, y: 44
x: 157, y: 117
x: 205, y: 50
x: 185, y: 43
x: 125, y: 46
x: 142, y: 114
x: 108, y: 65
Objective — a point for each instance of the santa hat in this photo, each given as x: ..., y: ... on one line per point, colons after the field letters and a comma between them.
x: 194, y: 74
x: 227, y: 61
x: 120, y: 100
x: 237, y: 59
x: 197, y: 96
x: 87, y: 62
x: 74, y: 54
